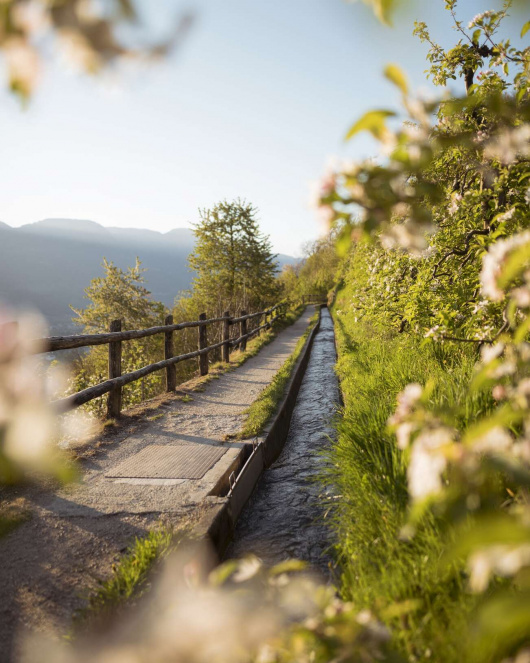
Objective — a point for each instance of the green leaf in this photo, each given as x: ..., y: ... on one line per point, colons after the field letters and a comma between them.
x: 516, y: 263
x: 223, y: 572
x: 372, y: 121
x: 289, y: 566
x: 397, y: 76
x: 382, y: 9
x: 525, y: 29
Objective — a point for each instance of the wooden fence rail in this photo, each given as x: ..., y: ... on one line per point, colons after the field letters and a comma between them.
x: 115, y: 337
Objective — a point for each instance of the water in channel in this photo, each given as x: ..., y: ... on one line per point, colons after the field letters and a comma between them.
x: 284, y: 517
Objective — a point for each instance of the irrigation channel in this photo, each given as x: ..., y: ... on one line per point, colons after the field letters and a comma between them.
x: 284, y: 516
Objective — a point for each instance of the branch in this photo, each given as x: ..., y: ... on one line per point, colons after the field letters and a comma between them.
x: 459, y: 252
x: 467, y: 340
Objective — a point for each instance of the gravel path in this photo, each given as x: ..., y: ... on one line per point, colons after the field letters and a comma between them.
x: 51, y: 563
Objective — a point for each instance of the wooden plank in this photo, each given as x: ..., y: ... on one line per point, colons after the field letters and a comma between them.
x: 88, y: 394
x: 226, y: 337
x: 203, y: 343
x: 53, y: 343
x: 169, y: 351
x: 243, y: 331
x: 114, y: 397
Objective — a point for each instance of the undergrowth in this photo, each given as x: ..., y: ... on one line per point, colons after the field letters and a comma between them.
x: 427, y: 608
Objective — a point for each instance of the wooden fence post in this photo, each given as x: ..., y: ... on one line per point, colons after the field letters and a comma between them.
x: 226, y: 337
x: 242, y: 332
x: 171, y: 371
x: 203, y: 343
x: 114, y: 397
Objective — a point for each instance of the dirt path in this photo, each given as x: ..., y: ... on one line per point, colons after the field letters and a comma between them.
x: 49, y: 564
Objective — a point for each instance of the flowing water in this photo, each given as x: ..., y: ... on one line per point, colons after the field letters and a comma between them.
x: 284, y: 518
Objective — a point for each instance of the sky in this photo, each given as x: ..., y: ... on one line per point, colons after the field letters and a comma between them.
x: 252, y: 105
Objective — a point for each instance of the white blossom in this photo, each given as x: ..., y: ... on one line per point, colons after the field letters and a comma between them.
x: 491, y: 352
x: 509, y: 144
x: 503, y: 560
x: 456, y: 199
x: 496, y: 440
x: 494, y: 261
x: 479, y: 19
x: 428, y: 462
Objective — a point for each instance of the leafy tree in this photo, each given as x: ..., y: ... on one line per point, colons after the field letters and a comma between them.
x: 446, y: 192
x: 233, y: 261
x: 316, y: 273
x: 120, y: 295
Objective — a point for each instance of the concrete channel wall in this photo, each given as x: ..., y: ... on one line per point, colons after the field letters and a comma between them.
x: 221, y: 509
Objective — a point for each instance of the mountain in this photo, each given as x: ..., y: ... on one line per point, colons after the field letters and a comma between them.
x: 47, y: 265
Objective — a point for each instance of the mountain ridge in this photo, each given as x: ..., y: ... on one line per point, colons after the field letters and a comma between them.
x: 46, y: 265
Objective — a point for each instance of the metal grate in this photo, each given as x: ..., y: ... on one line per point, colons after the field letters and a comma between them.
x: 185, y: 461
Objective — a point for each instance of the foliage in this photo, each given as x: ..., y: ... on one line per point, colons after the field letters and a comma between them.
x: 86, y: 31
x: 29, y: 427
x: 315, y: 274
x: 120, y: 295
x: 383, y: 9
x: 445, y: 193
x: 233, y: 261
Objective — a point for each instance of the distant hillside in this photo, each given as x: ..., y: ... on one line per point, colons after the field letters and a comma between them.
x: 47, y: 265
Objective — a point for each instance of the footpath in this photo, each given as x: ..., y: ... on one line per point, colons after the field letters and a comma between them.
x: 161, y: 468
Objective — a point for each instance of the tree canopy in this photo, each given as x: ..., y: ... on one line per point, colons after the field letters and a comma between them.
x: 233, y: 261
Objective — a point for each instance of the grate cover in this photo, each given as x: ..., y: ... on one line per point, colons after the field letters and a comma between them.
x: 185, y: 461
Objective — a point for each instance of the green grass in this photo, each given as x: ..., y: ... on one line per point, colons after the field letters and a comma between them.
x: 427, y: 609
x: 259, y: 413
x: 130, y: 576
x: 12, y: 516
x: 155, y: 417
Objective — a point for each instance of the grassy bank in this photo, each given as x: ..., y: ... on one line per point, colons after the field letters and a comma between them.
x: 427, y: 609
x: 260, y: 412
x: 131, y: 577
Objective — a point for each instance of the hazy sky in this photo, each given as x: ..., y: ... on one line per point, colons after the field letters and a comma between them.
x: 252, y: 105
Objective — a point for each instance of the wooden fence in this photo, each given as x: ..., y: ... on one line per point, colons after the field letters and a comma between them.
x: 115, y: 337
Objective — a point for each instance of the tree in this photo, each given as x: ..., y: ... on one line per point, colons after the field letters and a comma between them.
x: 233, y: 261
x: 120, y: 295
x: 316, y: 273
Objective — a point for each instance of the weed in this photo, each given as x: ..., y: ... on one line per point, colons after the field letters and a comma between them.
x: 129, y: 576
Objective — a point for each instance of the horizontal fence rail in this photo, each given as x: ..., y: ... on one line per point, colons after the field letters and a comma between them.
x: 54, y: 343
x: 115, y: 337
